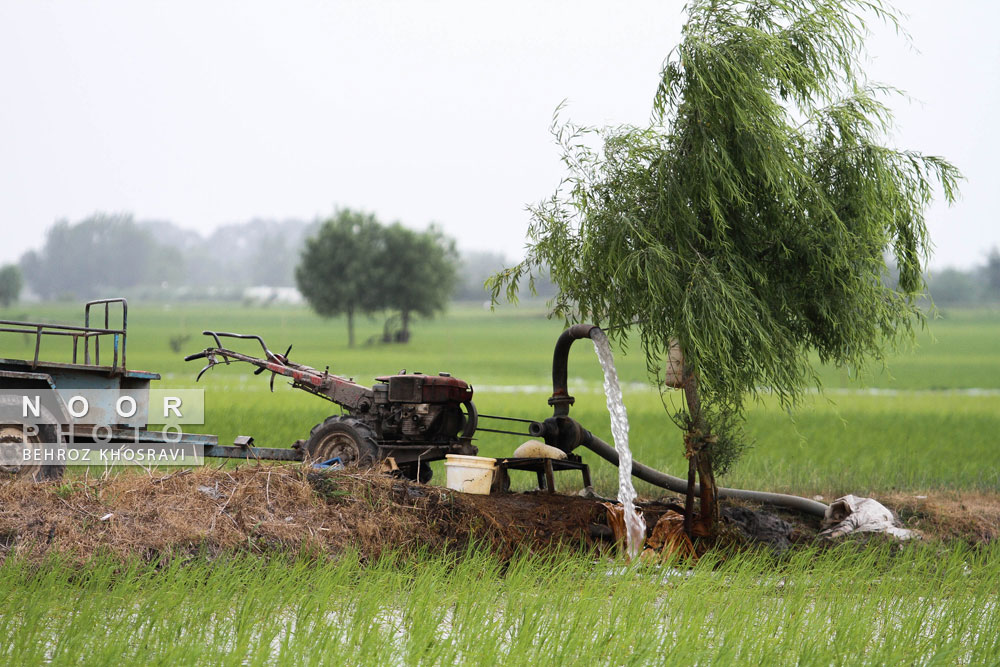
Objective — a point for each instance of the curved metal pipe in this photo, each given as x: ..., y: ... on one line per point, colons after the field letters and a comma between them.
x: 566, y: 433
x: 560, y: 399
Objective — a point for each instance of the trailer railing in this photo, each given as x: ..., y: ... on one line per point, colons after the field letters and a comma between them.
x: 86, y: 332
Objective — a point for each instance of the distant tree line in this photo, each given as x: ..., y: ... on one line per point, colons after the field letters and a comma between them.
x: 107, y: 253
x: 115, y: 253
x: 10, y: 284
x: 104, y: 252
x: 975, y: 286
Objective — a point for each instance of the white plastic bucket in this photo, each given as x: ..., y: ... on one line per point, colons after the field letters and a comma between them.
x: 470, y: 474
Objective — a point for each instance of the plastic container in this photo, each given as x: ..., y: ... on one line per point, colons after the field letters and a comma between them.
x: 470, y: 474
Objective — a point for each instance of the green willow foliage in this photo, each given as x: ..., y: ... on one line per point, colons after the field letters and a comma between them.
x: 752, y: 219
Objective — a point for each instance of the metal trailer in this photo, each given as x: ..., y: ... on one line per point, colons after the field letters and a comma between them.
x: 100, y: 339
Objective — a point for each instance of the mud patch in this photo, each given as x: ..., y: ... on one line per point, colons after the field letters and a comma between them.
x: 761, y: 527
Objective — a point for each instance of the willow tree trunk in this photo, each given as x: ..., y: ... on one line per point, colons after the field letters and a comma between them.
x: 700, y: 460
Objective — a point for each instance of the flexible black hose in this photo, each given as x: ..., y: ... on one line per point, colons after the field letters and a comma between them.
x: 678, y: 485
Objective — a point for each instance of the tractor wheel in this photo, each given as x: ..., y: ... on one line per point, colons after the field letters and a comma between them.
x: 346, y: 438
x: 415, y: 472
x: 14, y: 439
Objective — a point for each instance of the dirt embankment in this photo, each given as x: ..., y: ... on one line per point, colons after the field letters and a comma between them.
x: 949, y: 515
x: 264, y: 509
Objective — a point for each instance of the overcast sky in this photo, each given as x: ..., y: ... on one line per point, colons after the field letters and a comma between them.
x: 205, y: 113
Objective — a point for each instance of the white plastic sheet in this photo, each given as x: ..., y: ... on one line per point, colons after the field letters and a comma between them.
x: 852, y: 514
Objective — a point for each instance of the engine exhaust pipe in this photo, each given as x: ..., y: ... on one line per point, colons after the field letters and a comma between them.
x: 564, y: 432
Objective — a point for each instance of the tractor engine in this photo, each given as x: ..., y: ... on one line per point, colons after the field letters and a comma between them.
x: 421, y: 408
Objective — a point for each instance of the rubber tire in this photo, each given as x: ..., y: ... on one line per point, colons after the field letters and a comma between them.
x: 347, y: 437
x: 46, y: 433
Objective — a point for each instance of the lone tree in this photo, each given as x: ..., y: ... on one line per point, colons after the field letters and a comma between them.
x: 10, y: 284
x: 337, y: 273
x: 355, y: 265
x: 417, y: 273
x: 749, y: 222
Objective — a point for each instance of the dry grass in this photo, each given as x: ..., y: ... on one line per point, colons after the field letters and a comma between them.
x: 267, y: 508
x: 969, y: 516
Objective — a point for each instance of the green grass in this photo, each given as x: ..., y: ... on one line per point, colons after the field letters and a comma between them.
x: 843, y: 606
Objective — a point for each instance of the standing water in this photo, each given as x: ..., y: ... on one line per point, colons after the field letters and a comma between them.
x: 635, y: 526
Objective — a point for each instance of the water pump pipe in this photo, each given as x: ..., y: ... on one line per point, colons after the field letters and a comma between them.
x: 561, y: 431
x: 560, y: 399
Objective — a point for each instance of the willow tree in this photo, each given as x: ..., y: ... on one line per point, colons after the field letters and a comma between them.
x: 750, y: 222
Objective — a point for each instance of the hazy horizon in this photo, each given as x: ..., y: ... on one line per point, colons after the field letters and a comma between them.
x: 204, y: 115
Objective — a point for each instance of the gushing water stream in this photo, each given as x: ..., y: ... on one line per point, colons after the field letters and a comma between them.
x: 635, y: 526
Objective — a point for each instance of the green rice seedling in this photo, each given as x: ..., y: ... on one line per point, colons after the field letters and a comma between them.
x: 841, y: 605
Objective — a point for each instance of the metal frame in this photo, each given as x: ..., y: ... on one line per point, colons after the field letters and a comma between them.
x: 86, y: 332
x: 543, y: 468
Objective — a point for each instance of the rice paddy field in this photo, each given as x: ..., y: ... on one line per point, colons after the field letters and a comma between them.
x: 926, y: 423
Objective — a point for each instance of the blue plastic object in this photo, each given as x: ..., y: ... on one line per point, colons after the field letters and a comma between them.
x: 333, y: 464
